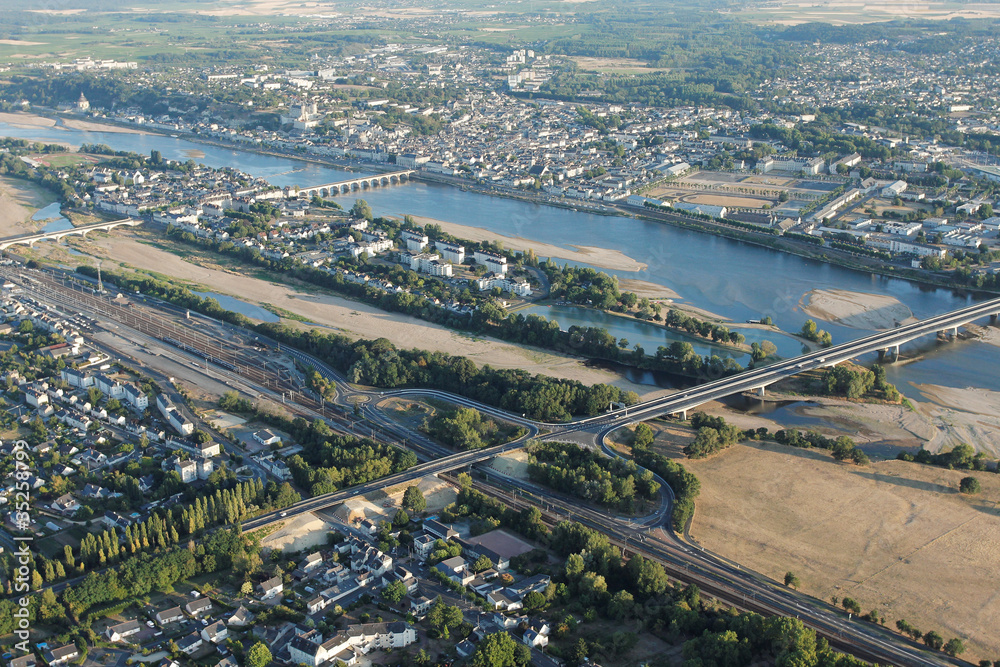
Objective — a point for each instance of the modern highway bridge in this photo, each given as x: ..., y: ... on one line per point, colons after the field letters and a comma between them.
x: 345, y: 187
x: 31, y: 239
x: 757, y: 380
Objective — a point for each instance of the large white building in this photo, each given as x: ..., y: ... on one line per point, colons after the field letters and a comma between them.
x: 345, y: 646
x: 431, y: 264
x: 176, y: 420
x: 451, y: 252
x: 894, y: 189
x: 415, y: 242
x: 493, y: 262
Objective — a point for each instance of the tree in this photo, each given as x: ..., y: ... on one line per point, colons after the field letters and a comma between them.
x: 969, y: 485
x: 394, y: 592
x: 401, y: 518
x: 482, y: 563
x: 954, y: 647
x: 361, y: 209
x: 258, y: 655
x: 643, y: 435
x: 791, y: 580
x: 413, y: 499
x: 850, y: 605
x: 934, y: 640
x: 498, y: 650
x: 533, y: 601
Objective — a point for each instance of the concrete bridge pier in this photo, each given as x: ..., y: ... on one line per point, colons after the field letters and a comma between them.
x: 759, y: 391
x: 894, y: 350
x: 682, y: 415
x: 993, y: 318
x: 951, y: 333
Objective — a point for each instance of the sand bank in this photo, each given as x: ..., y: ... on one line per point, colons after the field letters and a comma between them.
x: 859, y: 310
x: 19, y: 200
x: 25, y: 120
x: 91, y: 126
x: 600, y: 257
x: 29, y: 120
x: 970, y: 416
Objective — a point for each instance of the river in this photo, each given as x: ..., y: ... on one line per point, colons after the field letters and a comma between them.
x: 736, y: 280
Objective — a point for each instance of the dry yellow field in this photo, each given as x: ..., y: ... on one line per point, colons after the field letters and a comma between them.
x: 895, y: 536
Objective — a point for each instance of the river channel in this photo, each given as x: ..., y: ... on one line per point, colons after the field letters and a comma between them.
x: 736, y: 280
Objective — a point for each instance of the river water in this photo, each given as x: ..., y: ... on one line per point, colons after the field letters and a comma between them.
x: 733, y: 279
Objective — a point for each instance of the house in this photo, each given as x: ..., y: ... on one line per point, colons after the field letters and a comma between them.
x: 23, y: 661
x: 439, y: 530
x: 190, y: 643
x: 136, y: 397
x: 465, y: 648
x: 456, y: 569
x: 240, y: 618
x: 503, y: 600
x: 61, y: 654
x: 403, y: 575
x: 115, y: 520
x: 215, y: 633
x: 420, y: 605
x: 424, y: 545
x: 271, y: 588
x: 176, y: 420
x: 120, y: 631
x: 534, y: 639
x: 306, y: 652
x: 188, y: 470
x: 537, y: 583
x: 311, y: 562
x: 93, y: 491
x: 66, y: 504
x: 266, y: 437
x: 316, y: 604
x: 198, y: 606
x: 167, y: 616
x: 146, y: 483
x: 379, y: 636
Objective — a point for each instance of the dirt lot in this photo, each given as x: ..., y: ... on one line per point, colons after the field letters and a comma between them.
x: 728, y: 200
x: 895, y: 536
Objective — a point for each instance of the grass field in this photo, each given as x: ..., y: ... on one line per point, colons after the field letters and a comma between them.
x: 895, y: 536
x: 845, y: 12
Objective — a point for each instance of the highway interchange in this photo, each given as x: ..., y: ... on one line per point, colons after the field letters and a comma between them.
x: 652, y: 537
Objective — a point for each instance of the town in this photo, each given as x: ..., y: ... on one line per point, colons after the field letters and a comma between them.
x: 490, y: 335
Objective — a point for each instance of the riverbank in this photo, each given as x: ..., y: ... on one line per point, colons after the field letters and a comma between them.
x: 135, y: 249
